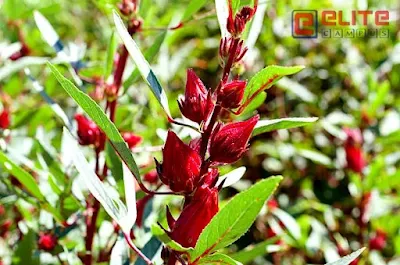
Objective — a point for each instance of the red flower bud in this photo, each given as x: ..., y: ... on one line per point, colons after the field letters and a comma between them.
x: 131, y: 139
x: 354, y: 153
x: 89, y: 133
x: 378, y: 242
x: 4, y: 119
x: 229, y: 142
x: 180, y: 169
x: 237, y: 25
x: 195, y: 216
x: 47, y: 241
x: 272, y: 204
x: 151, y: 176
x: 231, y: 94
x: 197, y: 104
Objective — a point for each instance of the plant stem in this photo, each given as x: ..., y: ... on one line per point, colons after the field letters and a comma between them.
x: 140, y: 254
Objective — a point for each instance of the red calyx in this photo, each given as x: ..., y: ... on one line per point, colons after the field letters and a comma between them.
x: 229, y: 142
x: 197, y: 104
x: 47, y: 241
x: 181, y: 165
x: 5, y: 119
x: 89, y: 133
x: 354, y: 153
x: 237, y: 24
x: 151, y: 176
x: 195, y: 216
x: 231, y: 94
x: 131, y: 139
x: 378, y: 242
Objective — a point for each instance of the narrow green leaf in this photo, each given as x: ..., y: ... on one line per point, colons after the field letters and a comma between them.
x: 112, y: 47
x: 232, y: 221
x: 149, y: 55
x: 265, y: 79
x: 348, y: 259
x: 24, y: 254
x: 24, y: 177
x: 218, y: 259
x: 379, y: 98
x: 29, y: 183
x: 193, y: 7
x: 157, y: 231
x: 142, y: 64
x: 278, y: 124
x: 252, y: 252
x: 113, y: 162
x: 124, y: 216
x: 101, y: 119
x: 254, y: 104
x: 315, y: 156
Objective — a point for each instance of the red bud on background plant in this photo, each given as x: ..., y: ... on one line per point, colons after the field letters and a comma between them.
x: 237, y: 23
x: 197, y: 104
x: 378, y: 242
x: 89, y: 133
x: 229, y: 141
x: 231, y: 94
x: 180, y: 169
x: 131, y: 139
x: 195, y: 216
x: 5, y: 119
x: 47, y: 241
x: 151, y: 176
x: 354, y: 153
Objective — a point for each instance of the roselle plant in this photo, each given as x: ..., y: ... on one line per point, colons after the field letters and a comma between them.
x: 222, y: 120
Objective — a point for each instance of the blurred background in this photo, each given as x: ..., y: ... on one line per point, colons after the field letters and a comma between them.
x: 341, y: 174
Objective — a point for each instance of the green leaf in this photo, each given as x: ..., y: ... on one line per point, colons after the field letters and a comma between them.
x: 379, y: 98
x: 193, y: 7
x: 124, y: 215
x: 252, y: 252
x: 149, y: 54
x: 142, y: 64
x: 315, y: 156
x: 24, y: 177
x: 254, y: 104
x: 232, y: 221
x: 265, y: 79
x: 278, y: 124
x: 113, y: 162
x: 347, y: 259
x: 24, y: 254
x: 101, y: 119
x: 218, y: 259
x: 112, y: 47
x: 157, y: 231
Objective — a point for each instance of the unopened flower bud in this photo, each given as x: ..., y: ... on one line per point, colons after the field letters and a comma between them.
x: 229, y: 141
x: 47, y: 241
x: 5, y: 119
x: 195, y: 216
x: 354, y: 152
x: 231, y: 94
x: 131, y: 139
x: 378, y: 242
x: 180, y: 169
x: 151, y: 176
x: 197, y: 104
x: 237, y: 24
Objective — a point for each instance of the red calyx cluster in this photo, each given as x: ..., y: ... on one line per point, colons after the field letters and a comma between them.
x: 354, y: 152
x: 5, y: 119
x: 47, y: 241
x: 190, y: 169
x: 237, y: 23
